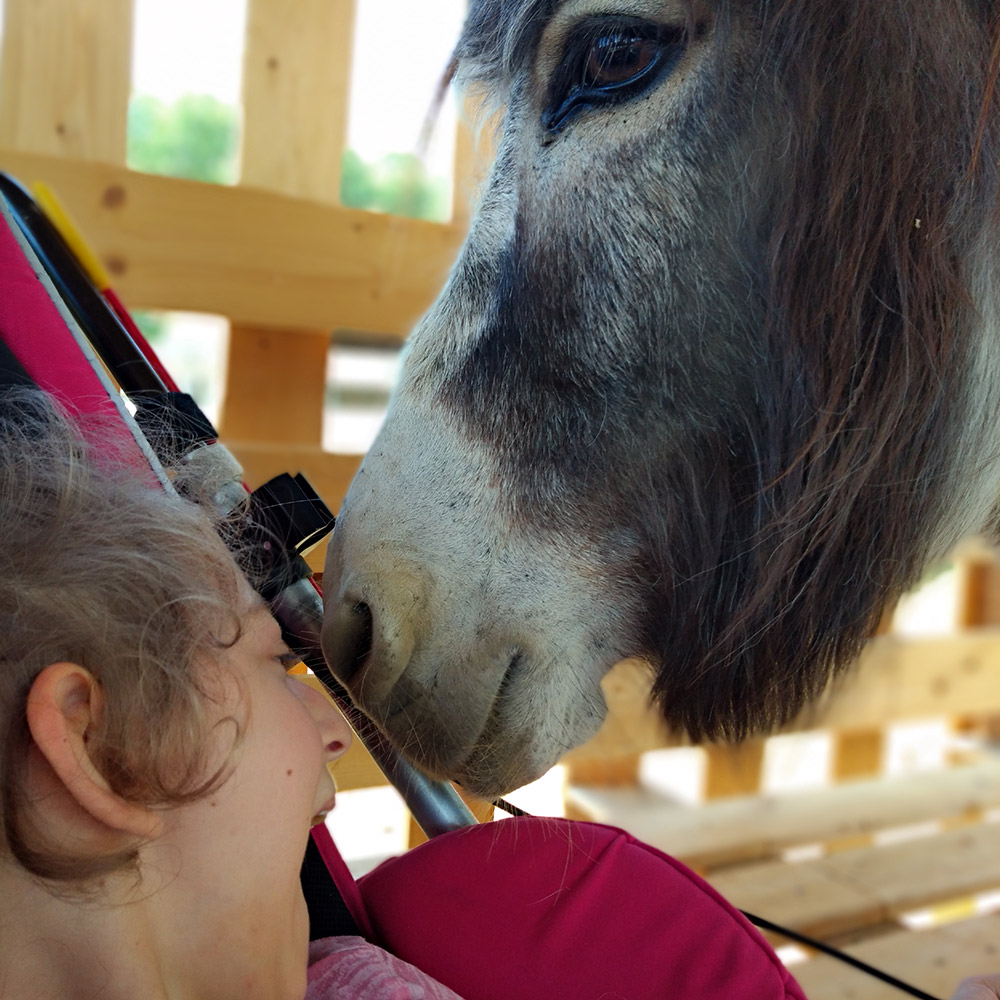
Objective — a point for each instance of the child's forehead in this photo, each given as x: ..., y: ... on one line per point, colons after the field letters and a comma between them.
x: 257, y: 615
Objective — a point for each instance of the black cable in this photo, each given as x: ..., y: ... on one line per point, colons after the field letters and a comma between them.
x: 508, y: 807
x: 767, y: 925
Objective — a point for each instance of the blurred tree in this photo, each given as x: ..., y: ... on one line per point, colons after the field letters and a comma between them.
x: 397, y: 184
x: 197, y: 137
x: 153, y: 325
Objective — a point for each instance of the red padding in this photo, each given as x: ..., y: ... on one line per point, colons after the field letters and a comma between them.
x: 37, y: 335
x: 544, y: 909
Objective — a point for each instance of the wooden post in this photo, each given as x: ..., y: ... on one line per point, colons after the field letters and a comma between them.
x: 979, y: 589
x: 733, y: 770
x: 65, y: 77
x: 296, y: 82
x: 473, y: 155
x: 857, y: 754
x: 978, y: 606
x: 296, y: 74
x: 275, y: 385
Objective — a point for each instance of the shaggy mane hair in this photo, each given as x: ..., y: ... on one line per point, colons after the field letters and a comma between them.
x: 868, y: 298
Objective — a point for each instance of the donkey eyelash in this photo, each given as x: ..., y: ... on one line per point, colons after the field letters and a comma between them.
x: 607, y: 61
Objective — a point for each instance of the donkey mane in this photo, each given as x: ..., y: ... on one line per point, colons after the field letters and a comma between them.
x: 866, y: 289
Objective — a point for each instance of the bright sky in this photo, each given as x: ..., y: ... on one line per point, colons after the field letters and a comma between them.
x: 195, y: 46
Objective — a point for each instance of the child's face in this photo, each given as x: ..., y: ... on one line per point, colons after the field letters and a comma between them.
x: 239, y: 849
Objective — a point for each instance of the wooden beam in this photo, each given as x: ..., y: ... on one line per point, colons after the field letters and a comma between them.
x: 66, y: 76
x: 869, y: 886
x: 617, y: 770
x: 933, y: 960
x: 737, y: 829
x: 254, y: 256
x: 803, y: 897
x: 895, y: 679
x: 899, y: 678
x: 296, y: 75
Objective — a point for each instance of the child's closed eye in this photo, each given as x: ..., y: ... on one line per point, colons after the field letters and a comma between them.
x: 288, y: 660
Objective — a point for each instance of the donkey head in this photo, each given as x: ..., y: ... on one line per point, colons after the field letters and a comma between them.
x: 713, y: 377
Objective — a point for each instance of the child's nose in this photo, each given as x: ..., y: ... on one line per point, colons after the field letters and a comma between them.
x: 333, y: 727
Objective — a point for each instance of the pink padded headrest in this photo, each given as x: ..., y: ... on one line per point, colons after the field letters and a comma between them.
x: 547, y: 909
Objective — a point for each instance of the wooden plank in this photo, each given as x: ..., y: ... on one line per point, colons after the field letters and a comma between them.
x: 918, y: 872
x: 296, y: 72
x: 761, y: 826
x: 65, y: 77
x: 631, y: 725
x: 869, y: 886
x: 933, y: 960
x: 275, y: 386
x: 804, y: 897
x: 254, y: 256
x: 978, y: 570
x: 621, y: 769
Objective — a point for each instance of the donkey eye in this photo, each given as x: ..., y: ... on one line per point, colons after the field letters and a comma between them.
x: 609, y: 60
x: 617, y: 59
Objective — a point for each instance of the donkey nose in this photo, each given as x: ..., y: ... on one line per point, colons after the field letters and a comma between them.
x: 370, y: 627
x: 347, y: 638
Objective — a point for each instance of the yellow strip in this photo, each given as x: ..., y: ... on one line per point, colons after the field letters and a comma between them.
x: 59, y: 218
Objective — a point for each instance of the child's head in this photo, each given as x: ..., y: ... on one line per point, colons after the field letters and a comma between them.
x: 99, y: 568
x: 148, y: 728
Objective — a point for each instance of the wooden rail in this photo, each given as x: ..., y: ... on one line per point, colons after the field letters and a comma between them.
x: 254, y: 255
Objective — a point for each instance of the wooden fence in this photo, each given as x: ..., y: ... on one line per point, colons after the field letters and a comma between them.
x: 276, y: 254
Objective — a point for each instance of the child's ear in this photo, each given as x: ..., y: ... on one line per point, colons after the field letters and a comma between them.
x: 63, y: 709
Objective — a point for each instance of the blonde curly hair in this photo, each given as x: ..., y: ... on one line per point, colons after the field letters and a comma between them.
x: 100, y: 567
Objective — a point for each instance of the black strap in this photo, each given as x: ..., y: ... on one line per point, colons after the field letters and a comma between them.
x: 11, y: 370
x: 328, y: 913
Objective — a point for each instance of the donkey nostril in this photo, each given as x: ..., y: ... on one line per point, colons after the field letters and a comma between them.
x: 347, y: 639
